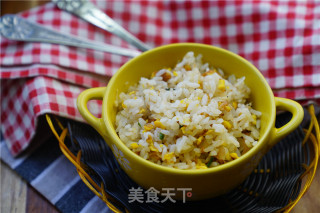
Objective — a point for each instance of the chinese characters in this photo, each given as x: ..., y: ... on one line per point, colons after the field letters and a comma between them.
x: 153, y: 195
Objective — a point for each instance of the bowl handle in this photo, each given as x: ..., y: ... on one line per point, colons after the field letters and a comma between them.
x: 297, y: 115
x: 82, y: 102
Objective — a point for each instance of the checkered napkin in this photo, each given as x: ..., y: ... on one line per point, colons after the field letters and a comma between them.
x: 281, y: 38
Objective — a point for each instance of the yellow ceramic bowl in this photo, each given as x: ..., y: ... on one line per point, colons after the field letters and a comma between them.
x: 204, y: 183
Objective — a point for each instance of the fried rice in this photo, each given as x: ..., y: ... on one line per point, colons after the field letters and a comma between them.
x: 190, y: 116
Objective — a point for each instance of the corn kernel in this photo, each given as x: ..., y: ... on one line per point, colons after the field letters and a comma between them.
x: 222, y: 105
x: 254, y: 119
x: 168, y: 156
x: 221, y: 85
x: 175, y: 73
x: 148, y: 127
x: 158, y: 124
x: 228, y: 157
x: 227, y: 108
x: 235, y: 105
x: 149, y: 139
x: 132, y: 92
x: 183, y: 129
x: 135, y: 97
x: 227, y: 124
x: 134, y: 145
x: 209, y: 132
x: 234, y: 155
x: 142, y: 111
x: 200, y: 165
x: 199, y: 140
x: 152, y: 148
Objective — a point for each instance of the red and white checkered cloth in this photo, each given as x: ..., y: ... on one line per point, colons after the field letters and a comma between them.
x: 281, y: 38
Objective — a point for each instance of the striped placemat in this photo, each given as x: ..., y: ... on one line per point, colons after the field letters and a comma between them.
x: 46, y: 169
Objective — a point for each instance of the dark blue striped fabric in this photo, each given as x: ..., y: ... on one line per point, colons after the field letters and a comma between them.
x: 49, y: 172
x: 39, y: 160
x: 76, y: 199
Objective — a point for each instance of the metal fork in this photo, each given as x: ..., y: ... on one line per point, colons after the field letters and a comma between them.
x: 16, y: 28
x: 89, y: 12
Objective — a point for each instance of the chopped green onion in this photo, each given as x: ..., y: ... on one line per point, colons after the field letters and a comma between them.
x: 139, y: 124
x: 167, y: 89
x: 161, y: 136
x: 210, y: 161
x: 180, y: 126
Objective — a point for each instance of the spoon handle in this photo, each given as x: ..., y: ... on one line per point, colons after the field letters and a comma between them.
x: 89, y: 12
x: 16, y: 28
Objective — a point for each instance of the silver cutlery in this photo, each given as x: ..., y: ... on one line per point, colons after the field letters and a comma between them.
x: 89, y: 12
x: 16, y: 28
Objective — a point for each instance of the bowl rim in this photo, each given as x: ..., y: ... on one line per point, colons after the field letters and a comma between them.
x: 229, y: 165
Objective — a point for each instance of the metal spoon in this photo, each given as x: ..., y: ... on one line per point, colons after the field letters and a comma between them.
x: 89, y: 12
x: 16, y: 28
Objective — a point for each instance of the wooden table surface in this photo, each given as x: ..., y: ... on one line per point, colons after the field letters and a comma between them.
x: 19, y: 197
